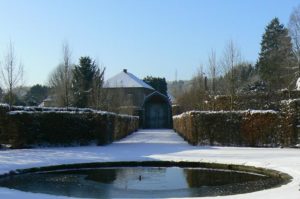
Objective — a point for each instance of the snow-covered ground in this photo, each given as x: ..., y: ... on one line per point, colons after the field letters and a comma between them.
x: 158, y: 145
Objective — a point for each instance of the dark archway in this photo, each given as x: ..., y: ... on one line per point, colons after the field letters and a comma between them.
x: 157, y: 112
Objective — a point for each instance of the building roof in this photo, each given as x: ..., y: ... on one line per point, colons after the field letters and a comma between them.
x: 157, y: 94
x: 171, y: 98
x: 125, y: 79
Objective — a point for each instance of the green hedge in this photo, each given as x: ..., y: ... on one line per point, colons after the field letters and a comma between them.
x: 63, y: 127
x: 3, y: 120
x: 236, y: 128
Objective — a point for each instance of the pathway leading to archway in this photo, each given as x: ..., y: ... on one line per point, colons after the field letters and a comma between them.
x: 157, y: 145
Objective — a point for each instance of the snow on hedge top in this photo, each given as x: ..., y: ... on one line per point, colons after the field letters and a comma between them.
x: 226, y: 112
x: 4, y: 105
x: 126, y: 80
x: 69, y: 110
x: 289, y: 101
x: 298, y: 84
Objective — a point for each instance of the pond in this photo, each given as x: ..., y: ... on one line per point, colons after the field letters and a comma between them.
x: 140, y: 182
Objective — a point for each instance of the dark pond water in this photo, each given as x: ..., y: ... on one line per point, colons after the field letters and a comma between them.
x: 140, y: 182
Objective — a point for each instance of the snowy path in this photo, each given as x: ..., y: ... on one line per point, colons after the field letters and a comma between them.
x: 157, y: 145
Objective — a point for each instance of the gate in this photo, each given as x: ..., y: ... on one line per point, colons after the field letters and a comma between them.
x: 157, y: 112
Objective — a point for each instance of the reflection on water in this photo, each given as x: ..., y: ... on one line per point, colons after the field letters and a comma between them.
x: 139, y: 182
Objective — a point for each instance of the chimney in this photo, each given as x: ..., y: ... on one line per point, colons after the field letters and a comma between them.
x: 125, y: 70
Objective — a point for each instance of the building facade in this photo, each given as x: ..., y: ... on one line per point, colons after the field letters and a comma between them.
x: 127, y: 94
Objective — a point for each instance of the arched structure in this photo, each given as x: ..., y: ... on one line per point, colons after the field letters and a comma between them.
x: 157, y: 112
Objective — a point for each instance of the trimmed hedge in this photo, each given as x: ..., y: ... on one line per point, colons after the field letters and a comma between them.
x: 290, y: 117
x: 261, y: 129
x: 63, y: 127
x: 3, y: 120
x: 236, y: 128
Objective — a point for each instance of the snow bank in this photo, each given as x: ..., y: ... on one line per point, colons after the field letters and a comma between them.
x: 155, y: 145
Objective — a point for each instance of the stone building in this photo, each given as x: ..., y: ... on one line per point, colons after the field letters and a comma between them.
x: 128, y: 94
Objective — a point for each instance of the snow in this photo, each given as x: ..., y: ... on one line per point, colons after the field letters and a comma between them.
x: 4, y: 105
x: 289, y: 101
x: 298, y: 84
x: 262, y: 111
x: 250, y: 111
x: 171, y: 98
x: 126, y: 80
x: 69, y: 110
x: 158, y: 145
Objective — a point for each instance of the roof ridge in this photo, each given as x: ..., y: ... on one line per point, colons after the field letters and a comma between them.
x: 125, y: 79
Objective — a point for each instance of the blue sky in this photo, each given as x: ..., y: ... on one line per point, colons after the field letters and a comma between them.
x: 148, y: 37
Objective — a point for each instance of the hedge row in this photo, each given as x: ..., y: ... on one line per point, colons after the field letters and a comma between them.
x: 236, y: 128
x: 256, y: 101
x: 290, y: 120
x: 63, y: 127
x: 3, y: 120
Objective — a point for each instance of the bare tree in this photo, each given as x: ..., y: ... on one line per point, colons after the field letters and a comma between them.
x: 67, y: 72
x: 195, y: 96
x: 212, y: 64
x: 231, y: 58
x: 11, y: 72
x: 61, y: 78
x: 294, y: 31
x: 198, y: 89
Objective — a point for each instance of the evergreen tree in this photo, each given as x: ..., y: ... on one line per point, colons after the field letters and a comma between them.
x: 276, y: 57
x: 36, y: 95
x: 87, y: 79
x: 157, y: 83
x: 96, y: 99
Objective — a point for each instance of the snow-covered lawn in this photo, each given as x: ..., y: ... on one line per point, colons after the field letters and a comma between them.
x: 157, y: 145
